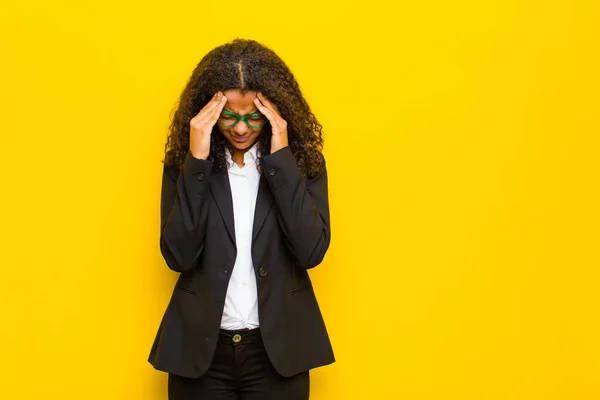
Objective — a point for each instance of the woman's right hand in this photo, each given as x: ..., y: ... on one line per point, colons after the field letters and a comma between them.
x: 202, y: 124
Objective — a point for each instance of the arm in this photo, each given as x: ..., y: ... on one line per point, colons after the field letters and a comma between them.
x: 303, y: 206
x: 184, y: 212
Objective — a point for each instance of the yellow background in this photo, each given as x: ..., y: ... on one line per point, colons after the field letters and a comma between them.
x: 462, y: 145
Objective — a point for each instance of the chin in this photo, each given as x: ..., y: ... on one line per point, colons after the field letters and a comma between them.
x: 240, y: 146
x: 244, y: 145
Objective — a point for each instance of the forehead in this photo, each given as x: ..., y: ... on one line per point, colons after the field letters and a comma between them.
x: 240, y: 103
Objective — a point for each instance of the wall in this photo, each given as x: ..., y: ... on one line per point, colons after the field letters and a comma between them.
x: 462, y: 146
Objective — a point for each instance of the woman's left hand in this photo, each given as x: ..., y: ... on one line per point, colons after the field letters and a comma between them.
x: 279, y: 137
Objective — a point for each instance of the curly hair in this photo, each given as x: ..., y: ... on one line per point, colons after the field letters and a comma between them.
x: 247, y: 65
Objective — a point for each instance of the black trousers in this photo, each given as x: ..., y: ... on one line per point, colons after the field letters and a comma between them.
x: 240, y: 370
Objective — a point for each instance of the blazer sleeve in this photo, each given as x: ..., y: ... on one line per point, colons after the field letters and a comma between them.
x: 184, y: 212
x: 303, y: 206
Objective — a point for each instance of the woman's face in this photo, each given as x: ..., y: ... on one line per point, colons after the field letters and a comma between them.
x: 240, y: 135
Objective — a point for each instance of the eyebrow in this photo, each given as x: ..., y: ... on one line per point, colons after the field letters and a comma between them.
x: 253, y: 112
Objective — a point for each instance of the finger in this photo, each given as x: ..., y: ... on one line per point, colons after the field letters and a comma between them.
x: 267, y: 102
x: 213, y: 99
x: 217, y: 111
x: 263, y: 99
x: 211, y: 105
x: 211, y: 115
x: 205, y: 114
x: 263, y: 107
x: 217, y: 99
x: 271, y: 116
x: 277, y: 123
x: 207, y: 107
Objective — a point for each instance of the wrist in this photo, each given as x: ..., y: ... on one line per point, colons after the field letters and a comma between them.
x: 201, y: 155
x: 278, y: 145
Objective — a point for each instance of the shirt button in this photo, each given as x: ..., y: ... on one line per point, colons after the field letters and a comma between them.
x: 200, y: 176
x: 262, y: 272
x: 272, y: 171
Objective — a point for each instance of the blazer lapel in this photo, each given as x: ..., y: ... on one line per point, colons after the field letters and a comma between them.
x: 221, y: 191
x: 264, y: 202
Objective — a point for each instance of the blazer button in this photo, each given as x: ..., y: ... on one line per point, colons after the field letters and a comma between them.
x: 200, y: 176
x: 262, y: 272
x: 272, y: 171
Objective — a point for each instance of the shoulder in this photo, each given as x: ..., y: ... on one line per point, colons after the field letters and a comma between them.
x: 171, y: 165
x: 319, y: 165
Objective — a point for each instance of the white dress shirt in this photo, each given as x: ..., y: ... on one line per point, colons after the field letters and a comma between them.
x: 241, y: 302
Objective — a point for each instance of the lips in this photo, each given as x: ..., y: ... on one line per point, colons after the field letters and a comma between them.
x: 240, y: 139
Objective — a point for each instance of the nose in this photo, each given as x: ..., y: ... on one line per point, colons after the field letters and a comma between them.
x: 240, y: 128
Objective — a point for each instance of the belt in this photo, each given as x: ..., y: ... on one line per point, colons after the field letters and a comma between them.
x: 240, y: 335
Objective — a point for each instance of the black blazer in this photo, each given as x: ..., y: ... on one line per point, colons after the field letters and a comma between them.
x: 291, y: 234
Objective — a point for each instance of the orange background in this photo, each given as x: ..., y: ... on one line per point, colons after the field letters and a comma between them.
x: 462, y: 146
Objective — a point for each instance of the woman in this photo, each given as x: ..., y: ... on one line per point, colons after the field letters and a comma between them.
x: 244, y: 215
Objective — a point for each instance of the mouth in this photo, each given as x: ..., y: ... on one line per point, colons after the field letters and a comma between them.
x: 240, y: 139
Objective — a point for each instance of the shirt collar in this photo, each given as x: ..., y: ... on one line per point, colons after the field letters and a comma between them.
x: 249, y: 157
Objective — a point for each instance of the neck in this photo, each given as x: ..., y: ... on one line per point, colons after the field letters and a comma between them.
x: 238, y: 157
